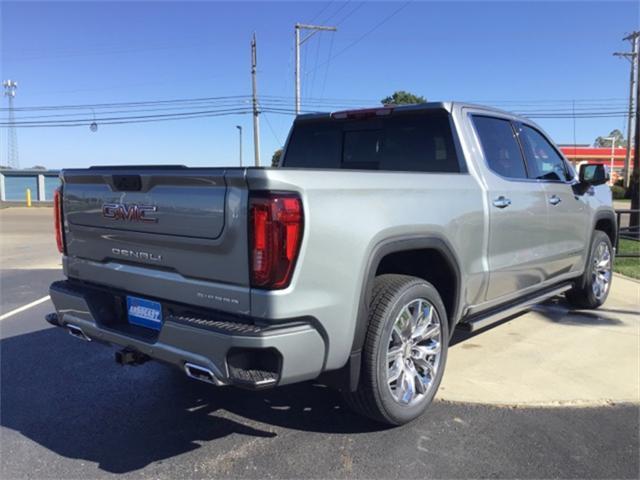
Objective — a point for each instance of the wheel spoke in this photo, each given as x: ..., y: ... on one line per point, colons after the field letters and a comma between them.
x: 424, y: 351
x: 426, y: 366
x: 405, y: 323
x: 408, y: 387
x: 424, y: 323
x: 419, y: 382
x: 430, y: 333
x: 394, y: 353
x: 394, y: 371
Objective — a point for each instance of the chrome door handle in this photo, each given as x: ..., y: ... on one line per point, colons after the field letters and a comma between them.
x: 501, y: 202
x: 554, y: 200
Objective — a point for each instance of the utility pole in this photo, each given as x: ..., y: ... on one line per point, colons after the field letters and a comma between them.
x: 239, y: 127
x: 633, y: 58
x: 314, y: 29
x: 254, y: 85
x: 634, y: 185
x: 13, y: 160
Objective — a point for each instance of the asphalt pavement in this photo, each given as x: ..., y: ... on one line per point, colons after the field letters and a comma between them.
x: 68, y: 411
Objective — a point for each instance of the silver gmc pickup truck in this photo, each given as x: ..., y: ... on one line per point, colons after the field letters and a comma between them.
x: 381, y: 231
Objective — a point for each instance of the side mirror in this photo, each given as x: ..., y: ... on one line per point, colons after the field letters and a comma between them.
x: 592, y: 174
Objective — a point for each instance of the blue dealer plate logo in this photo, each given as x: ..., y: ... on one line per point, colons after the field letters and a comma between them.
x: 144, y: 313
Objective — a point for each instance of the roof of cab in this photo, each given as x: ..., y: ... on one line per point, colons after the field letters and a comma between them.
x: 446, y: 105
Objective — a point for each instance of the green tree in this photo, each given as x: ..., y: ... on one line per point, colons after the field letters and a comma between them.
x: 275, y: 159
x: 401, y: 97
x: 606, y: 142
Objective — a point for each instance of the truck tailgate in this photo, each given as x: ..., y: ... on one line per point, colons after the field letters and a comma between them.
x: 186, y: 221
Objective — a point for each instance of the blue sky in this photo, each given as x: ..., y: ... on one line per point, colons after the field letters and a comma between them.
x: 518, y: 55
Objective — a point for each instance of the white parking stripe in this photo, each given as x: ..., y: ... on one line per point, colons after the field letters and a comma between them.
x: 24, y: 307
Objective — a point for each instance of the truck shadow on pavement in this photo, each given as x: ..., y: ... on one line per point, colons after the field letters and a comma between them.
x: 70, y: 397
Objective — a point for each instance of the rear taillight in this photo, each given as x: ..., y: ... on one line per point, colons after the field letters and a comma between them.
x: 276, y: 221
x: 57, y: 218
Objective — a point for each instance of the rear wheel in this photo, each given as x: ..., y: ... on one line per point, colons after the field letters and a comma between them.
x: 593, y: 289
x: 405, y: 350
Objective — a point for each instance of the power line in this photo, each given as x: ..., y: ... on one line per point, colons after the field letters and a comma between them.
x: 369, y: 32
x: 125, y: 104
x: 136, y: 110
x: 344, y: 4
x: 322, y: 10
x: 326, y: 68
x: 354, y: 10
x: 273, y: 132
x: 128, y: 119
x: 246, y: 98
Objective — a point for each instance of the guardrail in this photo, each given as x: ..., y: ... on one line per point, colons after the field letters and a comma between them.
x: 627, y: 233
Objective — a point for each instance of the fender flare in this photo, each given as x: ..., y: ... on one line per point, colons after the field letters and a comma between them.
x: 606, y: 215
x: 395, y: 245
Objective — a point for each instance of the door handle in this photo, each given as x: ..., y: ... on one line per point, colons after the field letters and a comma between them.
x: 554, y: 200
x: 501, y: 202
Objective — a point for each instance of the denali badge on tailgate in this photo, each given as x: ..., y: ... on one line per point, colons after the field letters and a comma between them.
x: 132, y: 212
x: 138, y: 254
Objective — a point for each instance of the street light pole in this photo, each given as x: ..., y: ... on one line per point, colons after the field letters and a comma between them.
x: 613, y: 148
x: 314, y: 29
x: 240, y: 134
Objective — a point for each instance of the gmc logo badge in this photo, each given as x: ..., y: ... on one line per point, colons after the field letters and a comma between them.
x: 131, y: 212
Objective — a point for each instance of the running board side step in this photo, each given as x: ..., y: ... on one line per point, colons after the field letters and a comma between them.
x: 497, y: 314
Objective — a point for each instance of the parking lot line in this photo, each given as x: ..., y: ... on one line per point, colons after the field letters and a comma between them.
x: 24, y: 307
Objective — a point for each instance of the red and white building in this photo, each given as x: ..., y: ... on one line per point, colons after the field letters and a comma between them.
x: 577, y: 154
x: 585, y: 153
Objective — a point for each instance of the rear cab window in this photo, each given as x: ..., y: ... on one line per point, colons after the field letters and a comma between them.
x: 402, y: 141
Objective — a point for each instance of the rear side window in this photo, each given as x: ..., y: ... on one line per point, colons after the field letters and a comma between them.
x: 500, y: 146
x: 544, y: 162
x: 400, y: 142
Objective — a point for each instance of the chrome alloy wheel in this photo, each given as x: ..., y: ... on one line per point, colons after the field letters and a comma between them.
x: 414, y: 352
x: 601, y: 271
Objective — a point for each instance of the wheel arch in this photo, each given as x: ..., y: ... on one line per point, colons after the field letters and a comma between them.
x: 416, y: 245
x: 605, y: 221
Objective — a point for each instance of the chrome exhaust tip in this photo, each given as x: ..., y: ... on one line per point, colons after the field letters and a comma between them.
x: 77, y: 332
x: 200, y: 373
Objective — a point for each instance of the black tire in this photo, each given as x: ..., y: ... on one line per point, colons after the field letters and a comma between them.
x: 582, y: 295
x: 373, y: 397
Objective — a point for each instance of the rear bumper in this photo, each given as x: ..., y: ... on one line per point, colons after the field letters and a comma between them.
x: 295, y: 351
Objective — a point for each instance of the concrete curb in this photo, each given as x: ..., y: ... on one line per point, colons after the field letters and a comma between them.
x: 631, y: 279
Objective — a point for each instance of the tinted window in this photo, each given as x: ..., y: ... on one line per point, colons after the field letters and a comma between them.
x: 362, y: 147
x: 400, y: 142
x: 500, y: 146
x: 543, y: 160
x: 314, y: 146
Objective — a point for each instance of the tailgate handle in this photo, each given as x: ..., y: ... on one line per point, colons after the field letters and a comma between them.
x: 127, y: 183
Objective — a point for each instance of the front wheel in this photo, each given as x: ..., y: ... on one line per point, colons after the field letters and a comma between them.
x: 405, y: 350
x: 594, y: 287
